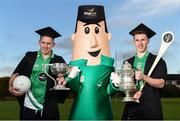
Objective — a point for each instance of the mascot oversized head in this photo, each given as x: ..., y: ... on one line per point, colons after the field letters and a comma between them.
x: 91, y: 37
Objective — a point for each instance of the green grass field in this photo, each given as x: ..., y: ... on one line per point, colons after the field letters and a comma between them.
x: 171, y: 109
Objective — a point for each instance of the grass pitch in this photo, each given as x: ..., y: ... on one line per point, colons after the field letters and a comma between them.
x: 9, y: 110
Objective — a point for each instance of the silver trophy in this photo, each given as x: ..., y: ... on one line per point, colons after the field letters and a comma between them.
x: 58, y: 69
x: 127, y: 81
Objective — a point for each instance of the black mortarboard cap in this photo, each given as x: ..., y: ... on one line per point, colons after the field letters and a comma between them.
x: 48, y: 31
x: 144, y: 29
x: 91, y: 13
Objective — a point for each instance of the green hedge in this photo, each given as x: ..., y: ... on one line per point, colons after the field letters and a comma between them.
x: 171, y: 91
x: 4, y: 93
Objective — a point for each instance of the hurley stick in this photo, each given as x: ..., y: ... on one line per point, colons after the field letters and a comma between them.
x: 167, y: 40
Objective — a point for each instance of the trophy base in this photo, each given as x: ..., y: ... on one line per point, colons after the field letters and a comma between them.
x: 129, y: 99
x: 63, y: 88
x: 60, y: 94
x: 59, y: 87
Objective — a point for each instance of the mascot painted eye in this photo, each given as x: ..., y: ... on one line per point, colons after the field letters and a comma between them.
x: 96, y: 30
x: 87, y: 30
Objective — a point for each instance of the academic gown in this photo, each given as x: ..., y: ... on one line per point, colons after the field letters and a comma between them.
x: 50, y: 110
x: 150, y: 106
x: 92, y: 87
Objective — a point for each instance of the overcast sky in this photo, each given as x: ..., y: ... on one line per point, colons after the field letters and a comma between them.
x: 20, y: 18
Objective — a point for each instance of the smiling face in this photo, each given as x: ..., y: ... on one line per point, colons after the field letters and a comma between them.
x: 90, y: 41
x: 46, y: 44
x: 141, y: 41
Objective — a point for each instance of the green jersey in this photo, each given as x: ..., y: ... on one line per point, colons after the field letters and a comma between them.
x: 139, y: 64
x: 38, y: 78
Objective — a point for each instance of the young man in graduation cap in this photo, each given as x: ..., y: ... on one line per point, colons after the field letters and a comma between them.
x: 41, y: 104
x: 150, y: 106
x: 91, y: 80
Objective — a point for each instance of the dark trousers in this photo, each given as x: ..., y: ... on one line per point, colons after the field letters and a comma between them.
x: 29, y: 114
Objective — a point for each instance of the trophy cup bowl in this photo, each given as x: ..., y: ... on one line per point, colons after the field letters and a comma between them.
x: 58, y: 69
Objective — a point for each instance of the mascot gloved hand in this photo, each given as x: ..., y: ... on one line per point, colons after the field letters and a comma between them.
x: 73, y: 72
x: 116, y: 80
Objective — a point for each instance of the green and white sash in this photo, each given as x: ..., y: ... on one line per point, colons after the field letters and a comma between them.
x: 35, y: 103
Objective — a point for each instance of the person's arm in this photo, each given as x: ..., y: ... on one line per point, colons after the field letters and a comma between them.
x: 154, y: 82
x: 158, y: 83
x: 20, y: 69
x: 13, y: 90
x: 157, y: 79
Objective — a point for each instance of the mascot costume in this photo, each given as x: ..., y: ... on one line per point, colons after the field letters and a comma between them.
x: 92, y: 66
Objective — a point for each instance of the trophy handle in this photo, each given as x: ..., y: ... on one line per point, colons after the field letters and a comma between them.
x: 45, y: 71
